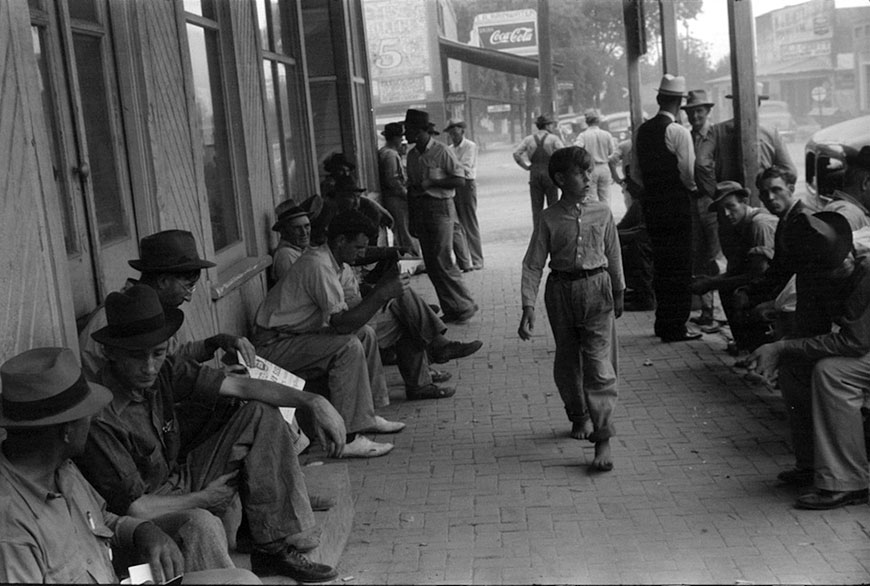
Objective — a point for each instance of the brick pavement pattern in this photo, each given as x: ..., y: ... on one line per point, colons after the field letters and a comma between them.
x: 487, y: 487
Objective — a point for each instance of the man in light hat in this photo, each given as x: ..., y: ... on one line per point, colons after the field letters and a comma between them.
x: 533, y: 155
x: 600, y: 144
x: 747, y: 236
x: 771, y: 150
x: 466, y: 233
x: 56, y: 528
x: 294, y: 226
x: 170, y: 264
x: 434, y: 174
x: 827, y: 374
x: 393, y: 179
x: 132, y: 451
x: 705, y: 230
x: 663, y: 163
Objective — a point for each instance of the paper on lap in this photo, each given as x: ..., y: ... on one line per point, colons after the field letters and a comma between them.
x: 265, y: 370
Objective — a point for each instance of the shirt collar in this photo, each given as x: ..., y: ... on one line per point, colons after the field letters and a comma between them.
x: 669, y: 115
x: 122, y: 396
x: 30, y: 492
x: 285, y: 244
x: 705, y: 130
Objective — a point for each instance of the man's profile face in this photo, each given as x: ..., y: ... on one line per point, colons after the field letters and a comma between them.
x: 698, y: 116
x: 776, y: 195
x: 138, y: 369
x: 174, y: 289
x: 297, y: 231
x: 415, y: 133
x: 734, y: 209
x: 456, y: 134
x: 349, y: 249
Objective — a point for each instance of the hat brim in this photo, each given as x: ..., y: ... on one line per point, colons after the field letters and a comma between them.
x: 737, y: 193
x: 179, y: 268
x: 759, y: 96
x: 174, y: 318
x: 698, y: 105
x: 276, y: 227
x: 98, y: 397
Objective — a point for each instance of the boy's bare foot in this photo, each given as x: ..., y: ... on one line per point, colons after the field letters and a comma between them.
x: 581, y: 430
x: 603, y: 462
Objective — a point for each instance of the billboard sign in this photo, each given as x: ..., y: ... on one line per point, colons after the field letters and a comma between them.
x: 513, y: 31
x: 804, y: 30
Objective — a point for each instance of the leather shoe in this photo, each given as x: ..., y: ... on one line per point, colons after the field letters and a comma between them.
x: 439, y: 376
x: 384, y: 426
x: 452, y: 350
x: 290, y: 563
x: 363, y: 447
x: 822, y: 500
x: 796, y: 477
x: 320, y: 503
x: 684, y: 337
x: 702, y: 320
x: 431, y: 391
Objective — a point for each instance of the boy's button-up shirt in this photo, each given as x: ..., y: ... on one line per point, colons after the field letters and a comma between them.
x: 576, y: 237
x: 58, y: 537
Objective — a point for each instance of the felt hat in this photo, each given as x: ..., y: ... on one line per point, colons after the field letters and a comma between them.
x: 416, y: 118
x: 759, y: 87
x: 393, y: 129
x: 430, y: 128
x: 723, y: 190
x: 313, y: 205
x: 543, y: 120
x: 45, y: 386
x: 286, y: 213
x: 696, y: 99
x: 336, y: 161
x: 137, y: 320
x: 170, y: 251
x: 348, y: 185
x: 454, y: 124
x: 591, y: 116
x: 673, y: 85
x: 860, y: 158
x: 820, y: 241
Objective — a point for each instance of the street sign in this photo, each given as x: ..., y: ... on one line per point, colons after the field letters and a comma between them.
x: 455, y: 98
x: 818, y: 94
x: 495, y: 108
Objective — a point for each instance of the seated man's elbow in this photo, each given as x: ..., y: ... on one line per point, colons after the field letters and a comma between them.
x: 138, y: 509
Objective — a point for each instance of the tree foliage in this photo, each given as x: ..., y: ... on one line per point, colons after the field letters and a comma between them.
x: 587, y: 38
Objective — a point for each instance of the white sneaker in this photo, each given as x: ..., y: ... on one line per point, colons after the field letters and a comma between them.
x: 363, y: 447
x: 384, y: 426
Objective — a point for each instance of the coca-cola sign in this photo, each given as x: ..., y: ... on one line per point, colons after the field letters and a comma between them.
x: 509, y: 36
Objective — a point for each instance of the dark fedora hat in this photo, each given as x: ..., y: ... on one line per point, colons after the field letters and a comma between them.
x: 286, y: 213
x: 820, y: 241
x: 393, y: 129
x: 336, y: 161
x: 723, y: 190
x: 697, y: 98
x: 543, y: 120
x: 136, y: 320
x: 45, y: 386
x: 170, y: 251
x: 417, y: 118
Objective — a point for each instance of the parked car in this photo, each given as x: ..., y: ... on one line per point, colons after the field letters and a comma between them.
x: 775, y: 114
x: 570, y: 125
x: 826, y: 151
x: 618, y: 124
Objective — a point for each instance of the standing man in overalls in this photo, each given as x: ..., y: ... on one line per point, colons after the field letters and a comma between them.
x: 533, y: 155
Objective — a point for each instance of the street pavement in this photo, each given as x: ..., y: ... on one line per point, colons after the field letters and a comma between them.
x: 487, y: 487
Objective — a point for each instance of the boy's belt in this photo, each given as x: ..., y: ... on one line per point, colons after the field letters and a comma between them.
x: 575, y: 275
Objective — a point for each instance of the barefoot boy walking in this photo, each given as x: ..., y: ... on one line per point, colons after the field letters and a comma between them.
x: 583, y: 297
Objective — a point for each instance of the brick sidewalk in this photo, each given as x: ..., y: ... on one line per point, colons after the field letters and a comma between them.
x: 487, y: 488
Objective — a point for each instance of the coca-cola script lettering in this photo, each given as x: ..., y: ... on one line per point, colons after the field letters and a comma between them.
x: 521, y: 34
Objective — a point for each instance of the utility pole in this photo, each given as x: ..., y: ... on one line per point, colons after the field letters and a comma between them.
x: 545, y: 59
x: 632, y: 15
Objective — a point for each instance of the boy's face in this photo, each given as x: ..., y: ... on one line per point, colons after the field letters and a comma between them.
x: 574, y: 181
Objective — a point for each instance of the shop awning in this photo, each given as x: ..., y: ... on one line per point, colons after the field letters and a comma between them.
x: 525, y: 66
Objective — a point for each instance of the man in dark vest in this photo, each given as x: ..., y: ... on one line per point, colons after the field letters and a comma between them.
x: 664, y: 161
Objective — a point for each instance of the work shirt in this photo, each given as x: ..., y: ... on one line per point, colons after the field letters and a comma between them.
x: 850, y: 208
x: 466, y: 154
x: 58, y: 537
x: 678, y: 140
x: 752, y: 237
x: 850, y: 310
x: 94, y: 359
x: 133, y: 444
x: 307, y: 297
x: 576, y: 236
x: 771, y: 151
x: 391, y: 172
x: 550, y: 143
x: 597, y: 142
x: 435, y: 162
x: 283, y: 258
x: 704, y: 141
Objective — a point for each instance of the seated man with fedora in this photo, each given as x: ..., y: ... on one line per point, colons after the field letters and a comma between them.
x: 132, y: 452
x: 56, y: 528
x: 825, y: 378
x: 294, y: 225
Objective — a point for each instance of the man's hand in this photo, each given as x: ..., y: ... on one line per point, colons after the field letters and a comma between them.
x: 219, y: 493
x: 527, y: 323
x: 618, y: 303
x: 764, y: 361
x: 329, y: 426
x: 231, y: 344
x: 157, y: 549
x: 700, y: 285
x: 393, y: 285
